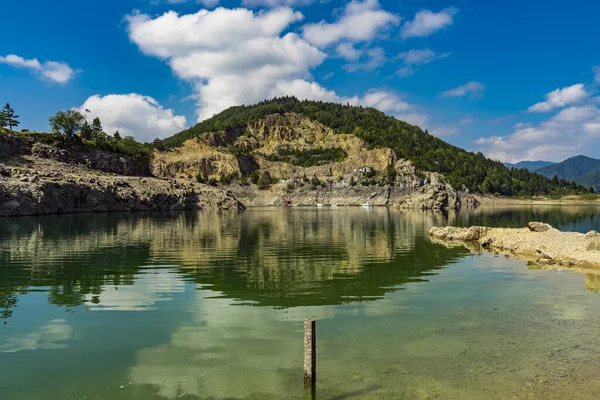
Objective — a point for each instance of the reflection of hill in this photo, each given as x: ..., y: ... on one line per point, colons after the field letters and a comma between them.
x: 275, y: 257
x: 287, y: 258
x: 279, y: 257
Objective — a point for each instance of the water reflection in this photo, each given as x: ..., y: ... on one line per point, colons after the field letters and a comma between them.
x: 271, y: 257
x: 209, y: 305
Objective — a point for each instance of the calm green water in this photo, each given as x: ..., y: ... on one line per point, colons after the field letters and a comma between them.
x: 210, y: 306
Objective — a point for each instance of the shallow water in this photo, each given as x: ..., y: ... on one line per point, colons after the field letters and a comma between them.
x: 210, y: 305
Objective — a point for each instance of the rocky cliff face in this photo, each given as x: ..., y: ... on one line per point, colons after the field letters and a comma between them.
x: 49, y: 188
x: 343, y: 182
x: 37, y: 178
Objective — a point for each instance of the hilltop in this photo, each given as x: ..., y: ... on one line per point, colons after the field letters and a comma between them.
x: 291, y: 139
x: 581, y: 169
x: 532, y: 166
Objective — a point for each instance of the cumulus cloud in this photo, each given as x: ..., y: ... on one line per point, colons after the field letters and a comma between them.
x: 231, y: 56
x: 560, y: 98
x: 237, y: 56
x: 134, y: 115
x: 570, y: 132
x: 427, y: 22
x: 596, y: 70
x: 54, y: 71
x: 360, y: 21
x: 472, y: 88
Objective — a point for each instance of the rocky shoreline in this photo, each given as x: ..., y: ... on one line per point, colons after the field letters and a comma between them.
x: 538, y: 242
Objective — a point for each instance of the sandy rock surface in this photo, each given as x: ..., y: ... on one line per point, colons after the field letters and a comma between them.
x: 537, y: 242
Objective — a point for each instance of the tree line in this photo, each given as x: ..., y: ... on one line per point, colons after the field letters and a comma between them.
x: 72, y: 125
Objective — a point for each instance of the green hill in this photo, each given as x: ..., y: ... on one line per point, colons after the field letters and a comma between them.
x: 572, y: 168
x: 581, y: 169
x: 465, y: 170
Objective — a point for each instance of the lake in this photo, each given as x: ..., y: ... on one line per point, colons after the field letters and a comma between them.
x: 209, y: 305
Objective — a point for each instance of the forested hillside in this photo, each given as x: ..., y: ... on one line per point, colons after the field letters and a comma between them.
x: 465, y: 170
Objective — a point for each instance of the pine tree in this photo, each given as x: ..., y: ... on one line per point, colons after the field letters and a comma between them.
x: 8, y: 117
x: 117, y: 135
x: 96, y: 126
x: 86, y: 131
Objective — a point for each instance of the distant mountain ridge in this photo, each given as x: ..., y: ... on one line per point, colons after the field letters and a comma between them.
x: 581, y: 169
x: 530, y: 165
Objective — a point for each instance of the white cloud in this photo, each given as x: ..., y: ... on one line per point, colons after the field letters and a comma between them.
x: 359, y: 22
x: 470, y: 88
x: 238, y: 56
x: 427, y: 22
x: 385, y: 101
x: 561, y: 98
x: 592, y: 129
x: 134, y: 115
x: 347, y: 51
x: 375, y: 58
x: 596, y: 70
x: 420, y: 57
x: 276, y: 3
x: 570, y: 132
x: 230, y: 56
x: 54, y: 71
x: 414, y: 118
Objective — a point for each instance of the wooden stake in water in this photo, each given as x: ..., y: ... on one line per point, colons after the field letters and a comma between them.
x: 310, y: 360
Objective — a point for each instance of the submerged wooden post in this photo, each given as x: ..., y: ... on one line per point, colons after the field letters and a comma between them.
x: 310, y: 360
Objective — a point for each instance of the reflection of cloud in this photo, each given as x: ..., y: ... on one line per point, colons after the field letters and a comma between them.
x: 149, y: 288
x: 224, y: 352
x: 51, y: 336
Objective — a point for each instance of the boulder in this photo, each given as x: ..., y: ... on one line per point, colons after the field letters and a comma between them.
x: 538, y: 227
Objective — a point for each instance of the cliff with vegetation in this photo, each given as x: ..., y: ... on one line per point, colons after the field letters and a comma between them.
x: 313, y: 152
x: 48, y: 174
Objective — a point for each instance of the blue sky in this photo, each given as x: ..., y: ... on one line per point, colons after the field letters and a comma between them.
x: 513, y: 79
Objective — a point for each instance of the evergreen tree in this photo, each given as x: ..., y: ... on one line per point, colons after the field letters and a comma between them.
x: 86, y: 132
x: 8, y: 117
x: 117, y: 135
x: 96, y: 127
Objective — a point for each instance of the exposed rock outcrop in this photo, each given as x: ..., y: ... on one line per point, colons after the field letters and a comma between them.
x: 342, y: 182
x: 537, y: 242
x: 68, y: 177
x: 435, y: 194
x: 74, y: 190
